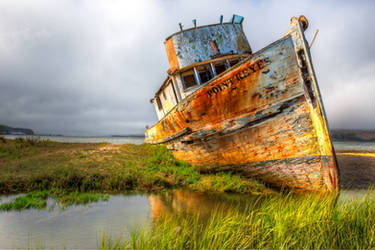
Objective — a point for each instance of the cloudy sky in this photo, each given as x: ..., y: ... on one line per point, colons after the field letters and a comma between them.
x: 90, y: 67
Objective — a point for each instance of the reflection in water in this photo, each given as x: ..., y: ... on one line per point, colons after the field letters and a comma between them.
x: 193, y: 203
x: 184, y: 202
x: 83, y: 226
x: 181, y: 201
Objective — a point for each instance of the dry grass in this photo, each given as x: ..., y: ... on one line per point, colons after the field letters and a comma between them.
x: 39, y: 165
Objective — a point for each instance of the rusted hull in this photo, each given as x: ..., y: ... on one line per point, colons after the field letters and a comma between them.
x: 263, y: 117
x: 282, y: 150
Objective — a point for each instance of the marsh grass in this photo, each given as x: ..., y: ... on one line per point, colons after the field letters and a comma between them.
x: 28, y: 165
x: 38, y: 199
x: 276, y: 222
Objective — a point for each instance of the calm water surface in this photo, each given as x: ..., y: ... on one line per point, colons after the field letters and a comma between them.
x: 75, y: 226
x: 75, y: 139
x: 83, y: 226
x: 352, y: 145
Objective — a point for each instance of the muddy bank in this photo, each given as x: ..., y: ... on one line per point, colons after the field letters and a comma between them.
x: 356, y: 171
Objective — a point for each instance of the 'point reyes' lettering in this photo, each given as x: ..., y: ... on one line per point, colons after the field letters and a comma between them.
x: 248, y: 71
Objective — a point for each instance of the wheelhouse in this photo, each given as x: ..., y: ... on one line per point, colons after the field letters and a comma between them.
x: 198, y: 55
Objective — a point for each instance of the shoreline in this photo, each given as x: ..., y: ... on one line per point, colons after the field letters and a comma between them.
x: 29, y: 164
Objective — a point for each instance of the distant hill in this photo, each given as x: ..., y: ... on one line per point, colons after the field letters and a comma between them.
x: 353, y: 135
x: 6, y: 130
x: 127, y: 135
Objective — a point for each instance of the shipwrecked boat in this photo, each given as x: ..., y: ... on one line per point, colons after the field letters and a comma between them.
x: 224, y: 107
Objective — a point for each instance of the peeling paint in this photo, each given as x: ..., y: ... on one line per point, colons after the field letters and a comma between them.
x: 193, y: 46
x: 261, y: 116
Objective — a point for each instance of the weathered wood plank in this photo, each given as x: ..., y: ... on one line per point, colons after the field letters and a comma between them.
x: 264, y: 116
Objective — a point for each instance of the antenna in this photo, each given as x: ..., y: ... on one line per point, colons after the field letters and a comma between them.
x: 312, y: 42
x: 195, y: 23
x: 221, y: 19
x: 181, y: 26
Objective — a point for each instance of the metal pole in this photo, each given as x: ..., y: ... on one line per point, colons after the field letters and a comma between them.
x: 197, y: 76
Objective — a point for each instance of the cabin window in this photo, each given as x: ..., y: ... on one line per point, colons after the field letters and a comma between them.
x: 177, y: 89
x: 160, y: 107
x: 188, y: 78
x: 174, y: 91
x: 234, y: 61
x: 170, y: 95
x: 165, y: 97
x: 205, y: 73
x: 220, y: 67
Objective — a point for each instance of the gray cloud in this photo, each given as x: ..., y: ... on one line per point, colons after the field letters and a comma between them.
x: 90, y: 67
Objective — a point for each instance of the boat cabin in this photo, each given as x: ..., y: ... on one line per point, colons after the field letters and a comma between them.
x: 196, y: 56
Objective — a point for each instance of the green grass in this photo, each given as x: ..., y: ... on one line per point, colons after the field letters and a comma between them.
x: 30, y: 164
x: 278, y: 222
x: 38, y: 199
